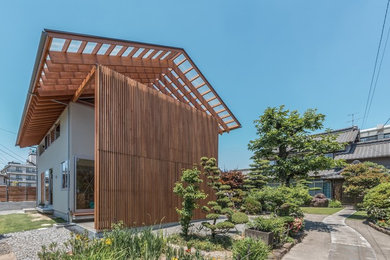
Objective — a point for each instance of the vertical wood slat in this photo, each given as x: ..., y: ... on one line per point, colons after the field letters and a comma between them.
x: 143, y: 139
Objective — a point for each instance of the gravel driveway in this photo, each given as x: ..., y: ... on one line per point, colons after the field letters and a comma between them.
x: 26, y: 245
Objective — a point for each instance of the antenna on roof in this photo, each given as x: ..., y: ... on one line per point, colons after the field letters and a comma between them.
x: 353, y: 119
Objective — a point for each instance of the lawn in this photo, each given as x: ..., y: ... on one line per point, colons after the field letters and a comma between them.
x: 358, y: 215
x: 320, y: 211
x: 22, y: 222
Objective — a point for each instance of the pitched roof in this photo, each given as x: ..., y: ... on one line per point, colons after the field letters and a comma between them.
x: 65, y: 62
x: 345, y: 135
x: 327, y: 174
x: 366, y: 150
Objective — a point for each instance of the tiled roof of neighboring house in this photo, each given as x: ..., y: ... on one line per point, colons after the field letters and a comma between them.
x: 327, y: 174
x: 366, y: 150
x: 345, y: 135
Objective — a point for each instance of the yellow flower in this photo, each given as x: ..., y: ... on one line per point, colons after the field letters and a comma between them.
x: 78, y: 237
x: 174, y: 258
x: 108, y: 241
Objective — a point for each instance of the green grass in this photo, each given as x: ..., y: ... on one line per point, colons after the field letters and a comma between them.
x: 320, y: 211
x: 358, y: 215
x: 21, y: 222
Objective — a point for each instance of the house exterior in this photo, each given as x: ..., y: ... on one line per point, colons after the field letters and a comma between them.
x: 371, y: 145
x: 115, y: 122
x: 20, y: 174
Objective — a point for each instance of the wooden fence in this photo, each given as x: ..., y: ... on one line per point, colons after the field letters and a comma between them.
x: 17, y: 193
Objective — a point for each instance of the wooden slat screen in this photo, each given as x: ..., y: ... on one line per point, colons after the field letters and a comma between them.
x: 143, y: 139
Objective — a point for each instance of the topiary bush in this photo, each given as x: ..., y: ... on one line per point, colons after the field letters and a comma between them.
x: 250, y: 249
x: 272, y: 198
x: 251, y: 205
x: 334, y: 204
x: 239, y: 218
x: 377, y: 202
x: 289, y: 209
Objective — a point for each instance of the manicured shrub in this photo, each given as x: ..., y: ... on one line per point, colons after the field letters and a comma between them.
x: 272, y: 198
x: 289, y: 209
x: 319, y: 200
x: 377, y: 202
x: 239, y: 218
x: 334, y: 204
x: 277, y: 225
x: 251, y: 205
x: 361, y: 177
x: 250, y: 249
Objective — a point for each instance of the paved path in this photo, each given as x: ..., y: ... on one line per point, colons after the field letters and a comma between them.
x: 346, y: 242
x: 379, y: 241
x: 330, y: 238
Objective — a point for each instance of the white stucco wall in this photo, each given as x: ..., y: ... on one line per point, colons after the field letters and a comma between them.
x: 81, y: 145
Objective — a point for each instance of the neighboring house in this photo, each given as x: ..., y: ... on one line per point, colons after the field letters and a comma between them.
x: 20, y: 174
x: 362, y: 145
x: 115, y: 122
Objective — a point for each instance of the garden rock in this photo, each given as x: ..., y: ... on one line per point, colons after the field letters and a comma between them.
x: 319, y: 200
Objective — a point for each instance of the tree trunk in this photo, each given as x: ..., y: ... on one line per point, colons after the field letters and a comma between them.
x: 287, y: 181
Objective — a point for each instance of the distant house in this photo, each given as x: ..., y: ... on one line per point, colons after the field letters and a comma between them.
x: 20, y: 174
x: 371, y: 145
x: 115, y: 122
x: 361, y: 145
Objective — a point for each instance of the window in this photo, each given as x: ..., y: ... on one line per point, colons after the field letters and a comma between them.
x: 47, y: 141
x: 64, y: 174
x: 57, y: 131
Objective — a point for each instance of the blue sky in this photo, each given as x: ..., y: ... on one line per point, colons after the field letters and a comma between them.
x: 302, y: 53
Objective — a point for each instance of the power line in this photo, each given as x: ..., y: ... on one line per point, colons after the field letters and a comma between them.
x: 375, y: 66
x: 1, y: 150
x: 9, y: 150
x: 8, y: 131
x: 379, y: 70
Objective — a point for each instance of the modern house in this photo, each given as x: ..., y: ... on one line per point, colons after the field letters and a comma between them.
x: 361, y: 145
x: 115, y: 122
x: 20, y: 174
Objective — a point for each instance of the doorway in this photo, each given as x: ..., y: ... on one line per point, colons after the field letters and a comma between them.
x: 85, y: 184
x: 48, y: 187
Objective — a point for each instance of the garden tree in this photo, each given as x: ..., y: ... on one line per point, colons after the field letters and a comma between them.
x: 222, y: 205
x: 257, y: 177
x: 235, y: 179
x: 284, y: 138
x: 361, y: 177
x: 188, y: 188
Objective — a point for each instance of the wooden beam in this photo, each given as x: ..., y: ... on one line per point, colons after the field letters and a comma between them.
x: 199, y: 96
x: 92, y: 59
x: 79, y: 91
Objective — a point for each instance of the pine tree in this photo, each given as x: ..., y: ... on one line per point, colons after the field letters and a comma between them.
x: 222, y: 205
x: 257, y: 177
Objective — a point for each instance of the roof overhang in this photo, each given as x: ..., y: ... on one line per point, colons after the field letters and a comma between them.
x: 65, y: 62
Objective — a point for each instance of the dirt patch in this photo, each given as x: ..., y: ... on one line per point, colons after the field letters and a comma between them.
x: 38, y: 217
